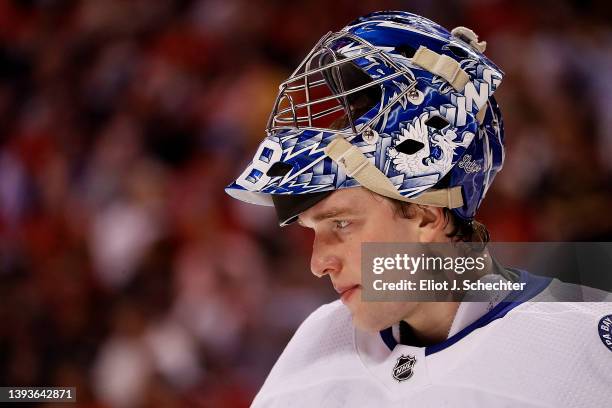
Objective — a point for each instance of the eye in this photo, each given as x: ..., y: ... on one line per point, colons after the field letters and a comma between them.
x: 341, y: 224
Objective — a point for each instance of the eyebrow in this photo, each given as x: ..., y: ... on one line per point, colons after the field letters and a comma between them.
x: 331, y: 213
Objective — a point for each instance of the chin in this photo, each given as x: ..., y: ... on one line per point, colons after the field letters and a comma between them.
x: 376, y: 316
x: 369, y: 322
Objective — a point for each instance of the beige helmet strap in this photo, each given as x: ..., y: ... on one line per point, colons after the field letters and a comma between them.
x: 441, y: 65
x: 482, y: 112
x: 447, y: 68
x: 356, y: 165
x: 470, y: 37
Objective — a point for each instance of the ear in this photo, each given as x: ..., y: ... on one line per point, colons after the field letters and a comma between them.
x: 432, y: 224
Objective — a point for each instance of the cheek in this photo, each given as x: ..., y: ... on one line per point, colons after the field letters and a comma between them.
x: 351, y: 253
x: 389, y: 229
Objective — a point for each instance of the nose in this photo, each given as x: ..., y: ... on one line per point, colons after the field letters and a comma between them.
x: 324, y: 259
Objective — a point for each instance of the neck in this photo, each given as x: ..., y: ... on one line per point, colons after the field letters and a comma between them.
x: 431, y: 321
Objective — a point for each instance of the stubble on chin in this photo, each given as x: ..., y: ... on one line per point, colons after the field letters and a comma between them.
x: 370, y: 319
x: 376, y: 316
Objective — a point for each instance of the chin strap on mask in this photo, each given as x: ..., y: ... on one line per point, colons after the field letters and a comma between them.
x: 357, y: 166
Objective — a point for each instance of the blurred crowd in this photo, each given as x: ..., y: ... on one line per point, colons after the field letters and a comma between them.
x: 124, y: 268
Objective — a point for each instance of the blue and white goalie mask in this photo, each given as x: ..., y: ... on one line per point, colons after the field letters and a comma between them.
x: 394, y: 103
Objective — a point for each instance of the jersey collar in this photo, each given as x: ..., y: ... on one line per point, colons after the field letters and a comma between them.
x: 470, y: 310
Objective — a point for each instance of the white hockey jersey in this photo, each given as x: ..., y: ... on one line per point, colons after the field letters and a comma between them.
x: 522, y: 352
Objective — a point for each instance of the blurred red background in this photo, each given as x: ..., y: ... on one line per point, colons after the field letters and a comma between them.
x: 124, y: 268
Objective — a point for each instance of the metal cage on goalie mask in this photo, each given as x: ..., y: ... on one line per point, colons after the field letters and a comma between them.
x: 336, y: 84
x: 392, y: 102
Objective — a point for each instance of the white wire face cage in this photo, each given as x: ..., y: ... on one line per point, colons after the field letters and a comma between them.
x: 329, y: 90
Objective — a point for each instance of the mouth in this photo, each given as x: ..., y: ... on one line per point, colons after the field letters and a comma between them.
x: 346, y: 292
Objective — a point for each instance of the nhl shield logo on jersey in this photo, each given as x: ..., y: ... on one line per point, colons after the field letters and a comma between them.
x: 605, y: 331
x: 403, y: 368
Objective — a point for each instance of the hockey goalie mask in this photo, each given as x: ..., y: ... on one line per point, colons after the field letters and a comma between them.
x: 393, y: 102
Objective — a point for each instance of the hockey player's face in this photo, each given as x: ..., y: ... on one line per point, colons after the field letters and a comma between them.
x: 341, y: 223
